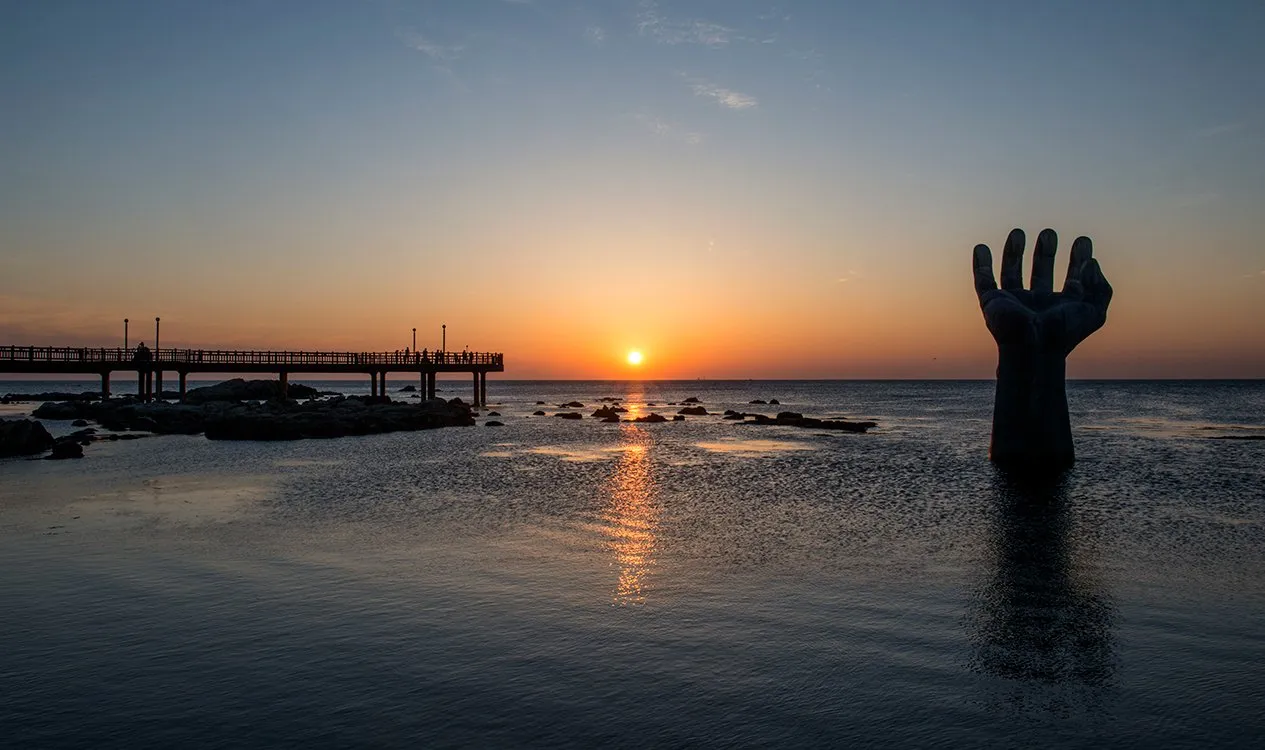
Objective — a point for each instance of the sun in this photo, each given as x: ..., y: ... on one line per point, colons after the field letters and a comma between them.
x: 634, y: 358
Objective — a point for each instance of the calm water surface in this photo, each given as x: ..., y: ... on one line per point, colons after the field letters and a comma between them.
x: 555, y: 583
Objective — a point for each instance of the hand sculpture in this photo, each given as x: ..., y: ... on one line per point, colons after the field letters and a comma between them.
x: 1035, y: 330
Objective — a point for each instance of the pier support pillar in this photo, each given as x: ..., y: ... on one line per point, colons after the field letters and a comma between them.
x: 105, y: 385
x: 140, y: 384
x: 382, y: 388
x: 483, y: 388
x: 430, y: 384
x: 476, y: 389
x: 373, y: 384
x: 284, y: 379
x: 184, y: 385
x: 157, y: 391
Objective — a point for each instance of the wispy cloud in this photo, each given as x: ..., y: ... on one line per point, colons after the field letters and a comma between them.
x: 440, y: 53
x: 724, y: 97
x: 595, y: 35
x: 1225, y: 128
x: 652, y: 23
x: 848, y: 276
x: 668, y: 130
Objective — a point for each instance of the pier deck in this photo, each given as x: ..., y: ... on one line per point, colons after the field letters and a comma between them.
x: 150, y: 365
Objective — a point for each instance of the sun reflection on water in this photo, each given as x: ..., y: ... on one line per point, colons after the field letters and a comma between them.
x: 632, y: 517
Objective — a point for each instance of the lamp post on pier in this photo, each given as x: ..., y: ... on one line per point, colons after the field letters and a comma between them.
x: 157, y: 321
x: 414, y: 339
x: 444, y: 343
x: 125, y: 334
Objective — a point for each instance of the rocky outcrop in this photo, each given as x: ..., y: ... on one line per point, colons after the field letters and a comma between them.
x: 693, y: 411
x: 650, y: 418
x: 606, y: 412
x: 238, y: 389
x: 691, y: 400
x: 271, y: 420
x: 795, y: 419
x: 571, y: 405
x: 569, y: 415
x: 23, y: 437
x: 538, y: 413
x: 493, y: 423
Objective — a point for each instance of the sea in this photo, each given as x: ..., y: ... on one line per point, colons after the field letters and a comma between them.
x: 555, y: 583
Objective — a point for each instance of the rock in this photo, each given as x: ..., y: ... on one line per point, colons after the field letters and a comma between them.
x: 793, y: 419
x: 79, y: 423
x: 609, y: 411
x: 538, y: 414
x: 65, y: 449
x: 51, y: 396
x: 23, y: 437
x: 408, y: 389
x: 494, y: 414
x: 651, y: 418
x: 66, y: 410
x: 540, y: 403
x: 569, y: 415
x: 758, y: 401
x: 694, y: 411
x: 610, y: 419
x: 691, y: 400
x: 678, y: 418
x: 774, y: 402
x: 493, y: 423
x: 610, y: 399
x: 275, y: 419
x: 571, y: 405
x: 238, y: 389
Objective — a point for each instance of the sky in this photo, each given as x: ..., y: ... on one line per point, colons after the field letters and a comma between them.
x: 735, y: 189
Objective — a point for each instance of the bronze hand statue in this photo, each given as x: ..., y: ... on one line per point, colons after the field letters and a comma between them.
x: 1035, y: 330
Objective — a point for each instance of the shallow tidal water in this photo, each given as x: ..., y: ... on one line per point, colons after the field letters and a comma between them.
x: 555, y: 583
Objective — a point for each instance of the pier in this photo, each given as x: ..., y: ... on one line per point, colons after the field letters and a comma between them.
x: 150, y: 365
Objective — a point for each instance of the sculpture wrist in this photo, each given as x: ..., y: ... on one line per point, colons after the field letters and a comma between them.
x: 1031, y: 426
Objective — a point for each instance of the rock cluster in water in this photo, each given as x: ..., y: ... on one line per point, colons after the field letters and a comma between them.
x: 25, y: 437
x: 795, y: 419
x: 238, y: 389
x: 277, y: 419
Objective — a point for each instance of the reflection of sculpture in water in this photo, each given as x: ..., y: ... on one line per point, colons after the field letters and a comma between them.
x: 1035, y: 330
x: 632, y: 516
x: 1038, y: 617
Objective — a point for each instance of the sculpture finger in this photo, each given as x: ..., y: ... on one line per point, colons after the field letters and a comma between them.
x: 983, y: 265
x: 1043, y: 262
x: 1012, y: 261
x: 1082, y: 251
x: 1098, y: 290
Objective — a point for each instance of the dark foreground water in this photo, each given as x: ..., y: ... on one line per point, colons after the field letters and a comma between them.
x: 554, y: 583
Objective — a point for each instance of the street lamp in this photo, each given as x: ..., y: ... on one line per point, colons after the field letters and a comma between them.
x: 125, y: 333
x: 157, y: 320
x: 444, y: 346
x: 414, y: 339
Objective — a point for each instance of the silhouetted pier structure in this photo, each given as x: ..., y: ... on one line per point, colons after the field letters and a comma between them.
x: 62, y: 360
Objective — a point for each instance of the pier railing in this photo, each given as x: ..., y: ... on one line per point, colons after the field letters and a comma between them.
x: 119, y: 356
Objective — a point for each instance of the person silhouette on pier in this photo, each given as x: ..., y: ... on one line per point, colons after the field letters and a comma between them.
x: 143, y: 354
x: 1035, y: 330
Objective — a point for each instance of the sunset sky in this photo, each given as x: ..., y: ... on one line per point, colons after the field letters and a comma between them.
x: 736, y: 189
